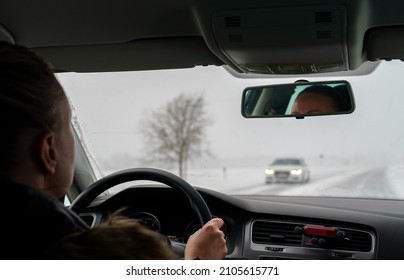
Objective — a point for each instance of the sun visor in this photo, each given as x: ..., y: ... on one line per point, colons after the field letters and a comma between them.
x: 6, y: 36
x: 385, y: 43
x: 283, y: 40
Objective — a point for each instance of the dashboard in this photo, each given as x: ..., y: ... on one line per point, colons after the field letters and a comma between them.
x: 268, y: 227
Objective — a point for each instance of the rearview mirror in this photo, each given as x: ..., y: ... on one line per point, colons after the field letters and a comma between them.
x: 298, y: 100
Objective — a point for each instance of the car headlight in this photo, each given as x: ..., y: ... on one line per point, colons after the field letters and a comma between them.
x: 269, y: 171
x: 296, y: 171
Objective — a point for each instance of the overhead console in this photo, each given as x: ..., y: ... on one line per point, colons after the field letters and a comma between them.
x: 299, y: 40
x: 386, y: 43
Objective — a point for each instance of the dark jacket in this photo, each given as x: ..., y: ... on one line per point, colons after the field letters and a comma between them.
x: 32, y: 223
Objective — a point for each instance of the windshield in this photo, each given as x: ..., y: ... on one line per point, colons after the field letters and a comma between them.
x: 288, y: 161
x: 355, y: 155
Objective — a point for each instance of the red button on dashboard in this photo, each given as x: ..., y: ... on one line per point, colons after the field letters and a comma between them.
x: 320, y: 231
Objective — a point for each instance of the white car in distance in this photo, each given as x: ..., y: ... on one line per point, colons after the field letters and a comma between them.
x: 287, y: 170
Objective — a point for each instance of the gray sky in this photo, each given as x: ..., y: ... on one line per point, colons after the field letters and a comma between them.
x: 110, y: 106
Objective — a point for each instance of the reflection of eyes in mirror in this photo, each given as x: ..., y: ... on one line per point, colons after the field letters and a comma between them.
x: 317, y: 100
x: 298, y: 100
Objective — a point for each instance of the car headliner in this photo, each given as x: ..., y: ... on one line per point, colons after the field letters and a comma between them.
x: 94, y: 35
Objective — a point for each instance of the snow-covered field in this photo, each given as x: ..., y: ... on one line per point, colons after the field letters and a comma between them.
x: 339, y: 180
x: 358, y: 181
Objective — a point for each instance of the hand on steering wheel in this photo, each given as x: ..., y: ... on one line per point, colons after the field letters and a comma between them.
x: 204, y: 236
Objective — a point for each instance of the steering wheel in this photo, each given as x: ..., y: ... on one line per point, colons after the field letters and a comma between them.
x: 197, y: 203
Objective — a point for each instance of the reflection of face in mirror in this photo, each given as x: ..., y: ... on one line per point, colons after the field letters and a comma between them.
x: 298, y: 100
x: 317, y: 100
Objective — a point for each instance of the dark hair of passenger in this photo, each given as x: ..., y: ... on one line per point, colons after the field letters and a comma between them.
x: 119, y: 239
x: 30, y: 99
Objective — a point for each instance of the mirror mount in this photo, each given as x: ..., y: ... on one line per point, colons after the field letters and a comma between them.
x: 301, y: 81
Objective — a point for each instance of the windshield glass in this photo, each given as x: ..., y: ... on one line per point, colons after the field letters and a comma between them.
x: 288, y: 161
x: 126, y: 119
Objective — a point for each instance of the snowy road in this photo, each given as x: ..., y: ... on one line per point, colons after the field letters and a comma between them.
x: 342, y: 181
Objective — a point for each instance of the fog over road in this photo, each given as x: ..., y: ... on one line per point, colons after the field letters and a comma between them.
x: 368, y: 183
x: 342, y: 182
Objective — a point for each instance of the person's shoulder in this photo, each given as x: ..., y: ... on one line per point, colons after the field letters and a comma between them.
x: 23, y: 198
x: 34, y: 221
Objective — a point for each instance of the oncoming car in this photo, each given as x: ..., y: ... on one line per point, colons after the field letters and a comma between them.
x: 287, y: 170
x: 184, y: 101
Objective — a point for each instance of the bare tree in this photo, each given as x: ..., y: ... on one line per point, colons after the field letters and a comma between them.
x: 176, y: 132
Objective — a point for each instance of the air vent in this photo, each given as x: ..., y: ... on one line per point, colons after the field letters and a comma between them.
x: 354, y: 241
x: 276, y: 233
x: 233, y: 21
x: 323, y: 17
x: 89, y: 219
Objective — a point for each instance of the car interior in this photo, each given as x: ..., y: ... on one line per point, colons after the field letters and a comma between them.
x: 307, y: 41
